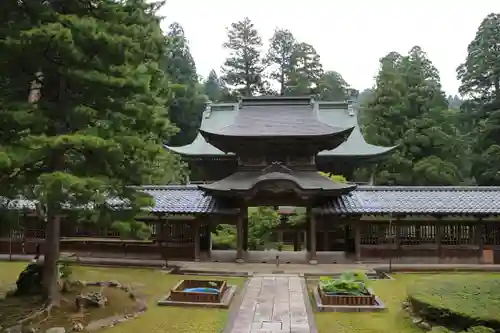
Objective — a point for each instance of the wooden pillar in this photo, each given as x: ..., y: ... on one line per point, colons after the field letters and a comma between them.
x: 312, y: 238
x: 280, y: 236
x: 197, y: 226
x: 479, y: 232
x: 296, y: 240
x: 240, y: 221
x: 439, y: 237
x: 357, y: 239
x: 245, y: 232
x: 397, y: 236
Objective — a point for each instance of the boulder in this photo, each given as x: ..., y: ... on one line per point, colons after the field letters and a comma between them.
x: 14, y: 329
x: 29, y: 281
x: 56, y: 330
x: 93, y: 299
x: 78, y: 327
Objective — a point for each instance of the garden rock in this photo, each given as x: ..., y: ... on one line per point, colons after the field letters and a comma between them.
x: 114, y: 283
x: 93, y: 299
x: 56, y: 330
x: 78, y: 327
x: 30, y: 280
x: 14, y: 329
x: 424, y: 325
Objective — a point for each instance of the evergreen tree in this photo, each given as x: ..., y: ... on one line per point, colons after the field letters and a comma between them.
x: 306, y: 75
x: 243, y: 68
x: 99, y: 121
x: 480, y: 78
x: 409, y: 109
x: 333, y: 87
x: 280, y: 57
x: 187, y: 104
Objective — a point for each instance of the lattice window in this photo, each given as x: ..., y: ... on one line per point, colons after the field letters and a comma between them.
x: 427, y: 234
x: 491, y: 235
x: 181, y: 233
x: 377, y: 233
x: 459, y: 234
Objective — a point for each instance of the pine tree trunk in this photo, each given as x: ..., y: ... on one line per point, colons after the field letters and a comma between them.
x: 50, y: 290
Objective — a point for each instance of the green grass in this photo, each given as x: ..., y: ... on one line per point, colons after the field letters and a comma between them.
x: 394, y: 319
x: 156, y: 284
x: 464, y: 298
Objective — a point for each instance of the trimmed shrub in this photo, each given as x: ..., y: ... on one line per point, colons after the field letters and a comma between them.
x: 460, y: 303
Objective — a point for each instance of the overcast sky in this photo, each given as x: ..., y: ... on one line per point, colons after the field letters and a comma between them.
x: 351, y: 36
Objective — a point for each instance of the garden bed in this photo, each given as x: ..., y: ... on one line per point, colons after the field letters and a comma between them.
x: 327, y: 299
x: 458, y: 303
x: 346, y: 293
x: 208, y: 293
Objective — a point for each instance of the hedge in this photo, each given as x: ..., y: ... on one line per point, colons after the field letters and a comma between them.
x: 459, y: 302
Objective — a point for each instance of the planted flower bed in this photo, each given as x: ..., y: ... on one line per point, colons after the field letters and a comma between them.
x: 348, y: 292
x: 199, y: 291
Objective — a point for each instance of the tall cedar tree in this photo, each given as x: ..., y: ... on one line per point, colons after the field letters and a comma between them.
x: 307, y: 71
x: 409, y: 109
x: 333, y: 87
x: 187, y: 102
x: 480, y: 78
x: 99, y: 120
x: 280, y: 58
x: 243, y: 68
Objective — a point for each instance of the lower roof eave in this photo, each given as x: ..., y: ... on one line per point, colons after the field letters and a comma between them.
x: 397, y: 214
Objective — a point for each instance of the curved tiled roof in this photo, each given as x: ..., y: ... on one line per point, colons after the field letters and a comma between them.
x: 418, y: 200
x: 467, y: 200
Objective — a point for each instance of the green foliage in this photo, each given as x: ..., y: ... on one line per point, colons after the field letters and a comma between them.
x: 243, y: 69
x: 187, y: 101
x: 261, y: 223
x: 132, y: 229
x: 480, y: 113
x: 65, y: 270
x: 224, y: 237
x: 409, y: 109
x: 334, y: 178
x: 281, y: 58
x: 458, y: 303
x: 349, y: 283
x: 98, y: 122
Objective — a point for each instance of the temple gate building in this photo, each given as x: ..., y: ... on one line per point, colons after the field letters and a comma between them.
x: 268, y: 151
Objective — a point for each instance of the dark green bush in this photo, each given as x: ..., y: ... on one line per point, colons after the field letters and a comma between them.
x: 459, y: 303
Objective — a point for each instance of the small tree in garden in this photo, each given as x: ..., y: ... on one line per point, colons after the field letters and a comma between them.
x: 261, y: 223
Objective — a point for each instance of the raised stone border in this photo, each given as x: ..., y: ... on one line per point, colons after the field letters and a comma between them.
x: 140, y: 307
x: 379, y: 306
x: 224, y: 303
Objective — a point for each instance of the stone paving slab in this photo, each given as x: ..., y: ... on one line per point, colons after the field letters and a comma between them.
x: 273, y: 304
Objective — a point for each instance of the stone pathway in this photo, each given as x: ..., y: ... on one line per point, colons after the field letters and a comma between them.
x: 273, y: 304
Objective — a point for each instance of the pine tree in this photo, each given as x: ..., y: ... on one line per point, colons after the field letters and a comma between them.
x: 99, y: 121
x: 280, y: 57
x: 186, y: 107
x: 243, y: 68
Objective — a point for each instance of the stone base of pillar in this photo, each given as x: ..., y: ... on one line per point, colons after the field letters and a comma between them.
x: 240, y: 261
x: 313, y: 262
x: 196, y: 259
